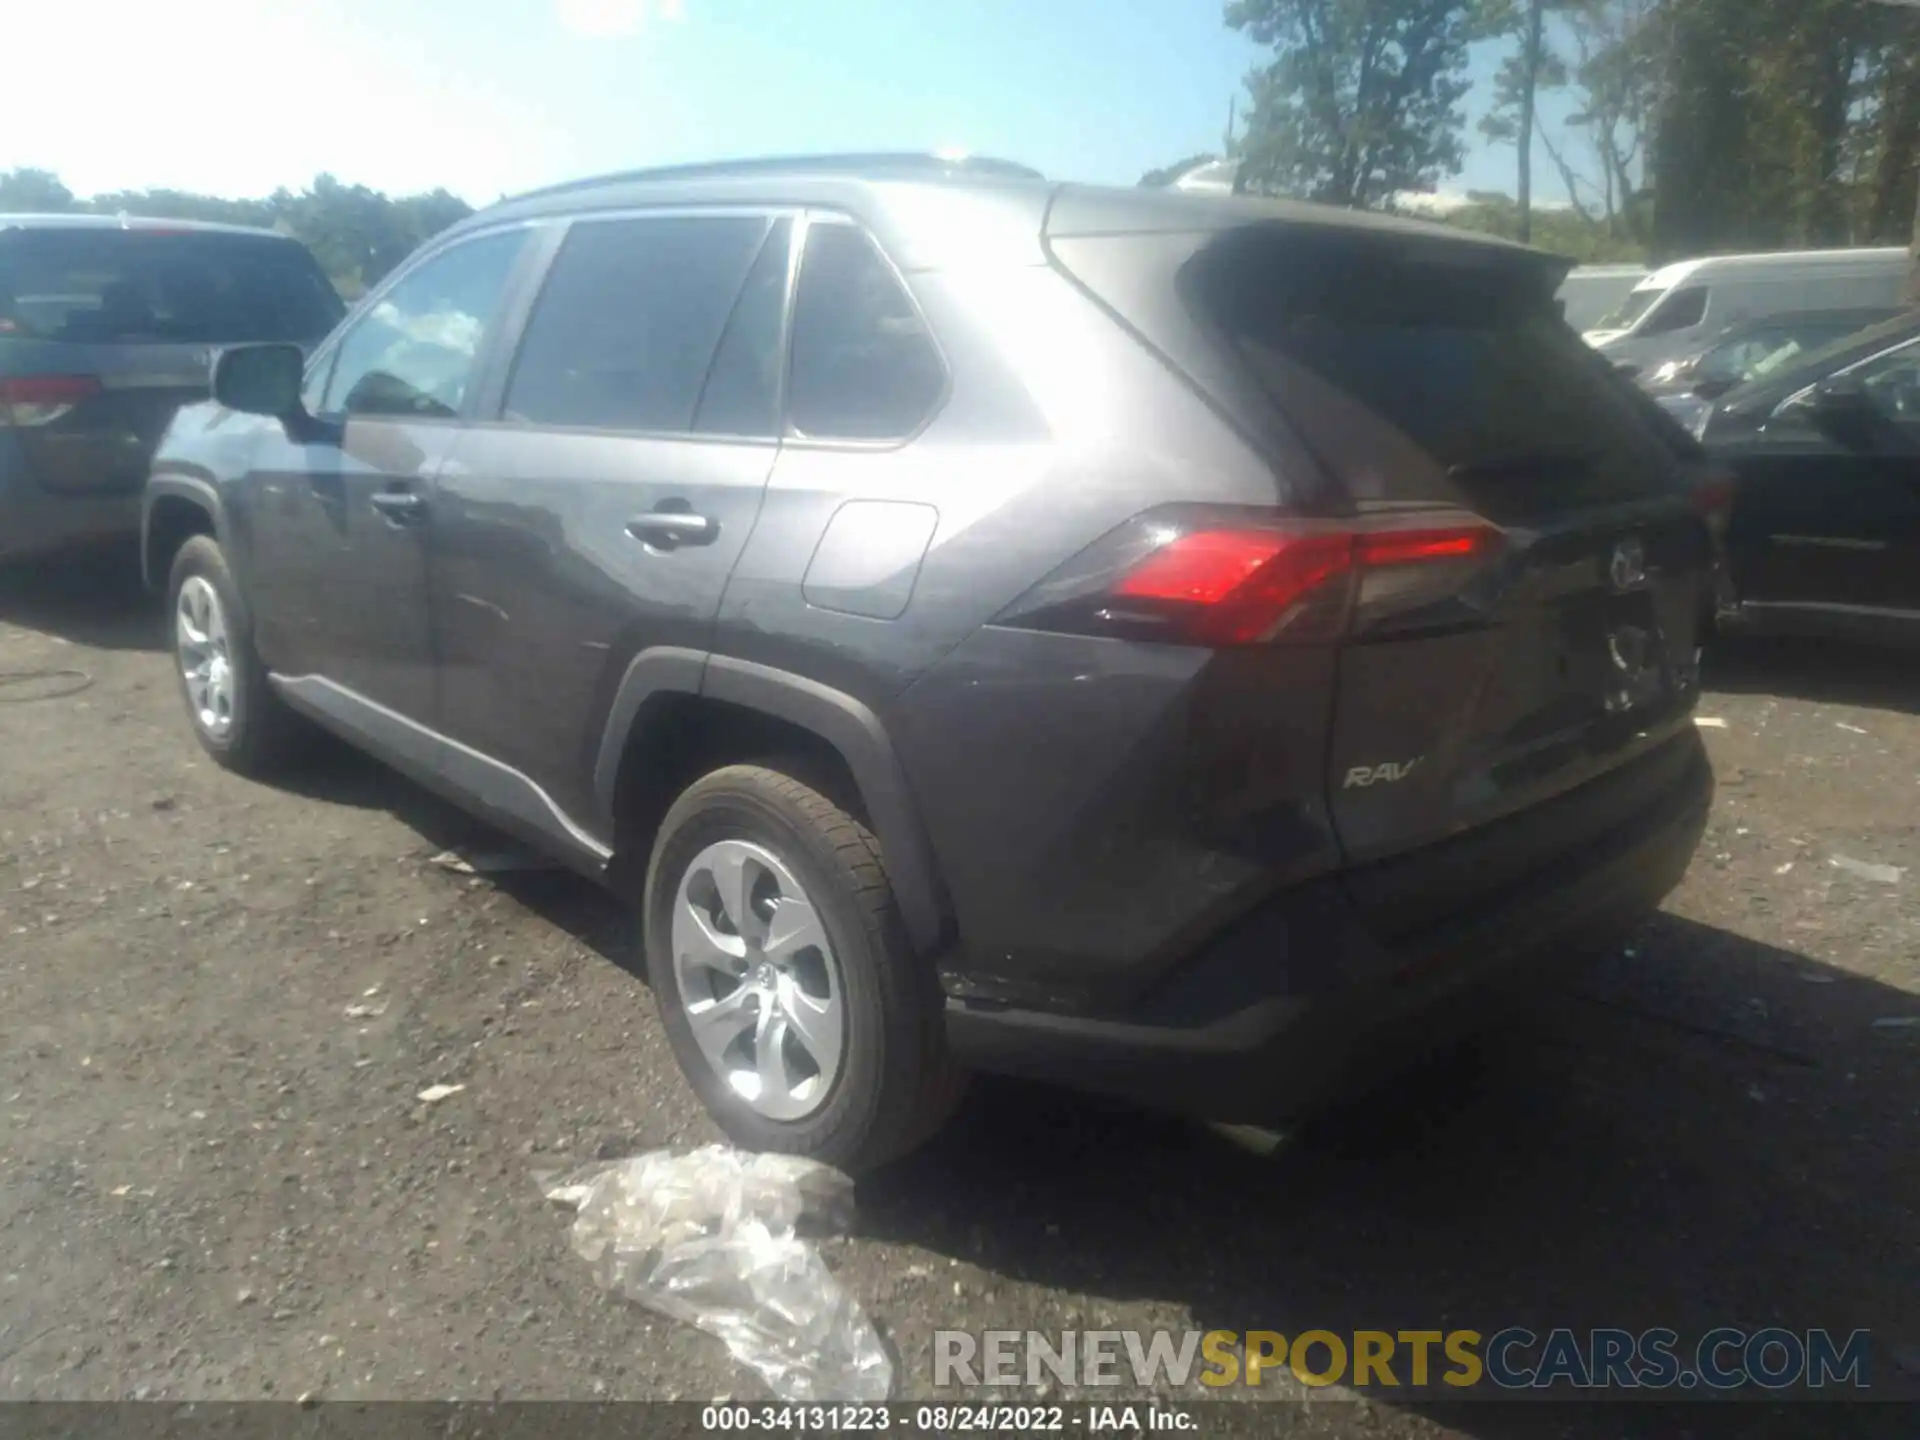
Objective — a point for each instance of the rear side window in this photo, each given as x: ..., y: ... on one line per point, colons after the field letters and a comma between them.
x: 628, y: 321
x: 1430, y: 373
x: 1681, y: 310
x: 863, y: 366
x: 145, y: 286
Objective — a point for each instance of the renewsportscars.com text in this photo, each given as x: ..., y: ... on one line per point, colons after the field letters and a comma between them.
x: 1512, y: 1359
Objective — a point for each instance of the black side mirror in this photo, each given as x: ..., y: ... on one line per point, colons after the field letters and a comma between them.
x: 261, y: 379
x: 1841, y: 409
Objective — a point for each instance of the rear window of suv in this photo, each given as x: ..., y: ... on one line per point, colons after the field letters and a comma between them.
x: 1414, y: 370
x: 157, y: 286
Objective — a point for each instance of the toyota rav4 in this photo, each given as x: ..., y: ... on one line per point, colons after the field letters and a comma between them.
x: 1195, y: 648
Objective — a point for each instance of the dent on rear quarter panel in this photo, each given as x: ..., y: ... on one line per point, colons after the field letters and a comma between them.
x: 1099, y: 807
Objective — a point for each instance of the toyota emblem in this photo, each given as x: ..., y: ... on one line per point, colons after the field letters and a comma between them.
x: 1629, y: 568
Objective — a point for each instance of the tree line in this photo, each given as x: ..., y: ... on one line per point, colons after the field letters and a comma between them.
x: 356, y: 234
x: 1690, y: 126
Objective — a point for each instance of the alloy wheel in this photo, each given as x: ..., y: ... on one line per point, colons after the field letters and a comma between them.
x: 759, y: 983
x: 206, y: 660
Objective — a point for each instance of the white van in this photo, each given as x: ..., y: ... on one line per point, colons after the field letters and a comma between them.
x: 1678, y: 307
x: 1592, y: 291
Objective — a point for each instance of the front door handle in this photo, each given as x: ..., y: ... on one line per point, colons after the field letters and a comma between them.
x: 402, y: 507
x: 667, y: 528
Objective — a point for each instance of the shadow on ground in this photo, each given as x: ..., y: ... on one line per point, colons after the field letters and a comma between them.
x: 90, y: 598
x: 1826, y: 672
x: 1708, y: 1131
x: 1705, y: 1130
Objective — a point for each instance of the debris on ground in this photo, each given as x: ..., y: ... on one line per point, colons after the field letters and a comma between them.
x: 366, y: 1012
x: 439, y: 1092
x: 493, y: 862
x: 1850, y: 729
x: 713, y: 1238
x: 1709, y: 722
x: 1868, y: 870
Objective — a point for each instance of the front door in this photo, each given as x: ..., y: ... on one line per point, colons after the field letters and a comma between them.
x: 600, y: 508
x: 340, y: 505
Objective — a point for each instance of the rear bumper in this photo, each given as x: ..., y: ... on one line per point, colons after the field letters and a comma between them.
x: 34, y: 522
x: 1285, y: 1052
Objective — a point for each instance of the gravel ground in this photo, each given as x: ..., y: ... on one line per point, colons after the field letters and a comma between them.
x: 217, y: 1183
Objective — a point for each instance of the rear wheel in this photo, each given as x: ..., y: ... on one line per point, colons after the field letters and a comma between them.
x: 236, y: 717
x: 784, y: 977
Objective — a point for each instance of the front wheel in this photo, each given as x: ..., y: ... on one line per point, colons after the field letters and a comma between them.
x: 785, y: 981
x: 236, y: 717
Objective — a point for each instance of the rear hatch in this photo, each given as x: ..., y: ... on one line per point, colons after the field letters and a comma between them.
x: 1532, y: 629
x: 105, y: 332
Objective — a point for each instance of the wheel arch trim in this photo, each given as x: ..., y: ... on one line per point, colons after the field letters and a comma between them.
x: 196, y: 490
x: 853, y: 731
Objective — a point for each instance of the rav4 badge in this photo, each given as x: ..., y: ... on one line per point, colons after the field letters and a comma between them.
x: 1393, y: 770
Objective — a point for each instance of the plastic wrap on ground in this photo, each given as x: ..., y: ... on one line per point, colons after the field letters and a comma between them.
x: 717, y: 1238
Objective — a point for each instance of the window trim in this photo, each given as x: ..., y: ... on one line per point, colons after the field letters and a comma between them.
x: 1800, y: 396
x: 791, y: 434
x: 491, y: 405
x: 328, y: 351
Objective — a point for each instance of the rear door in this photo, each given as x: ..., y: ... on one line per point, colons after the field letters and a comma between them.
x: 105, y: 332
x: 600, y: 507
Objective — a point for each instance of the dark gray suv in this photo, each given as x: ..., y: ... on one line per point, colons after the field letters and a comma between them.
x: 1190, y: 648
x: 107, y: 325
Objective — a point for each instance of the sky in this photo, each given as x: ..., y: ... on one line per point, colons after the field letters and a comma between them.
x: 487, y: 97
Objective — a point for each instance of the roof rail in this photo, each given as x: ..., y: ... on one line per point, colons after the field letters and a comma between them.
x: 880, y: 162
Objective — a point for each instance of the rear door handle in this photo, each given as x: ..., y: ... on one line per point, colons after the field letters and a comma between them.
x: 674, y: 527
x: 402, y: 507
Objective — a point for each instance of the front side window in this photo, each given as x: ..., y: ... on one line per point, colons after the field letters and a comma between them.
x: 1681, y: 310
x: 415, y: 353
x: 1637, y: 303
x: 1734, y: 361
x: 628, y: 321
x: 862, y: 365
x: 1892, y: 382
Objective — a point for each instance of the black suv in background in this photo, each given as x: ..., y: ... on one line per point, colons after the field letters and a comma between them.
x: 1823, y: 456
x: 1188, y: 647
x: 106, y: 327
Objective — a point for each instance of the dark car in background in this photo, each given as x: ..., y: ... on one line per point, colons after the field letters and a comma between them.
x: 1749, y: 350
x: 1195, y: 647
x: 107, y: 326
x: 1823, y: 537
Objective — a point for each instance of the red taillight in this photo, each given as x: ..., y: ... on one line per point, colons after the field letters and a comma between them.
x: 1410, y: 547
x: 1236, y: 587
x: 1174, y: 576
x: 1713, y: 502
x: 38, y: 399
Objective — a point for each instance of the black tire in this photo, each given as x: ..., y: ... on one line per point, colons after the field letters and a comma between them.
x: 896, y: 1084
x: 263, y: 733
